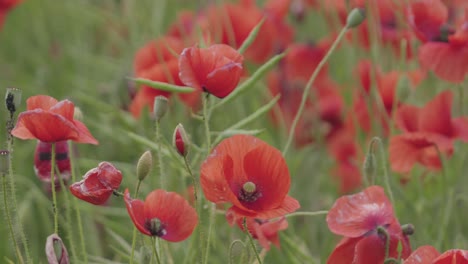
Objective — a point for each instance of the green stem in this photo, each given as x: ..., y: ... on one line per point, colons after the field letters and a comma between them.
x: 210, y: 229
x: 383, y: 158
x: 10, y: 225
x: 52, y: 185
x: 206, y: 118
x: 77, y: 208
x: 196, y: 189
x: 160, y: 155
x: 305, y: 95
x: 231, y: 247
x: 252, y: 243
x: 383, y: 231
x: 155, y: 252
x: 134, y: 237
x: 324, y: 212
x: 449, y: 201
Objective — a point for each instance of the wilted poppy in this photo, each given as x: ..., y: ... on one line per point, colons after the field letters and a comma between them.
x: 424, y: 129
x: 265, y: 231
x: 56, y: 251
x: 249, y: 174
x: 215, y: 70
x: 98, y: 184
x: 158, y: 61
x: 42, y: 160
x: 163, y: 214
x: 360, y: 218
x: 445, y: 48
x: 49, y: 120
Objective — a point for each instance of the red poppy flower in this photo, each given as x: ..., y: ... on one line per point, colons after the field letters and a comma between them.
x: 422, y: 255
x: 98, y: 184
x: 158, y: 61
x: 49, y: 120
x: 164, y: 214
x: 445, y: 50
x: 424, y: 128
x: 216, y: 69
x: 265, y: 231
x: 42, y: 161
x: 250, y: 174
x: 358, y: 218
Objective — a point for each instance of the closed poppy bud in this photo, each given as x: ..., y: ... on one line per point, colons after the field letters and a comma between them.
x: 215, y: 70
x: 13, y: 99
x: 160, y: 107
x: 144, y: 165
x: 55, y: 250
x: 370, y: 167
x: 97, y: 184
x: 4, y: 164
x: 180, y: 140
x: 355, y: 17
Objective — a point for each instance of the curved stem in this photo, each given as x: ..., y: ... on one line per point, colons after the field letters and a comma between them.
x: 381, y: 230
x: 52, y: 185
x: 252, y: 243
x: 305, y: 95
x: 8, y: 217
x: 77, y: 208
x: 324, y: 212
x: 232, y: 246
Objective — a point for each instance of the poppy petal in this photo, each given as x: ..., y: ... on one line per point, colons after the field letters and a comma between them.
x: 223, y: 80
x: 343, y: 252
x: 460, y: 127
x: 136, y: 211
x: 64, y: 108
x: 407, y: 118
x: 355, y: 215
x: 213, y: 183
x: 40, y: 101
x: 422, y: 255
x: 436, y: 116
x: 452, y: 256
x: 36, y: 124
x: 448, y: 62
x: 84, y: 134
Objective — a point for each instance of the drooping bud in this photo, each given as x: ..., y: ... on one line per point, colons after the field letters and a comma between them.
x: 180, y: 140
x: 13, y: 99
x: 160, y: 107
x: 144, y: 165
x: 355, y: 17
x: 55, y: 250
x: 4, y: 164
x: 407, y: 229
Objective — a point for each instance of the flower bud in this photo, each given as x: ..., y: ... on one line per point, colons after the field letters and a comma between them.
x: 370, y: 164
x: 13, y: 99
x: 144, y: 165
x: 407, y: 229
x: 160, y: 107
x: 355, y: 17
x: 55, y: 250
x: 4, y: 164
x: 180, y: 140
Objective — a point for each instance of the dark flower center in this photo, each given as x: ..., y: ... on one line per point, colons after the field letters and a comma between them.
x: 249, y: 192
x: 156, y: 227
x: 43, y: 156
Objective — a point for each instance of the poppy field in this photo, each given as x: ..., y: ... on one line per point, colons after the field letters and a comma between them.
x: 273, y: 131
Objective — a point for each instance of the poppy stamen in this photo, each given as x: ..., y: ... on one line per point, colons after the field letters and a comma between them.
x: 249, y: 192
x: 156, y: 227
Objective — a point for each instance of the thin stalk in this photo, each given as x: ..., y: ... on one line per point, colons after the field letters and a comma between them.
x: 77, y: 209
x: 383, y: 158
x: 206, y: 119
x: 305, y: 95
x: 196, y: 188
x: 383, y: 231
x: 155, y: 252
x: 52, y: 185
x: 160, y: 155
x: 134, y: 237
x: 252, y: 243
x: 210, y: 229
x: 449, y: 201
x: 10, y: 225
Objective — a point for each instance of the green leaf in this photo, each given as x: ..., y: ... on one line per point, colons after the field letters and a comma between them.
x: 252, y: 80
x: 163, y: 86
x: 251, y: 37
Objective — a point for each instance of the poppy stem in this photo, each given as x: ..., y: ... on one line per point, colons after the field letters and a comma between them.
x: 155, y: 252
x: 160, y: 155
x: 196, y: 188
x: 84, y: 255
x: 134, y: 237
x: 52, y: 185
x: 384, y: 168
x: 237, y: 241
x: 381, y: 230
x: 206, y: 118
x: 210, y: 229
x: 251, y: 241
x: 307, y: 88
x: 8, y: 217
x: 324, y: 212
x: 449, y: 200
